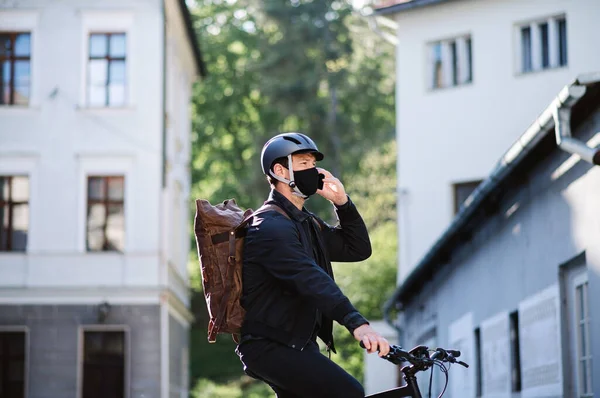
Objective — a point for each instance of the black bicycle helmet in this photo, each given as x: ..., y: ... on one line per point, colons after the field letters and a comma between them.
x: 286, y: 144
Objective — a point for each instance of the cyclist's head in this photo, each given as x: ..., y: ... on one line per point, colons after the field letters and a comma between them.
x: 279, y: 150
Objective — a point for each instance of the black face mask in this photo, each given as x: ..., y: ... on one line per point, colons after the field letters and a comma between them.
x: 308, y: 181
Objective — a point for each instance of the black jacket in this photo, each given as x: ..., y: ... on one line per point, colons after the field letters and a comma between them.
x: 288, y: 289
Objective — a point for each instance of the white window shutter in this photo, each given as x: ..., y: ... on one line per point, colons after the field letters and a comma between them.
x: 463, y: 59
x: 536, y: 47
x: 553, y: 42
x: 447, y: 65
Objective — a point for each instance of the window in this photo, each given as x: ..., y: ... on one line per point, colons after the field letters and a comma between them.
x: 14, y: 213
x: 12, y: 364
x: 582, y: 330
x: 15, y: 68
x: 103, y: 364
x: 562, y: 42
x: 450, y: 62
x: 515, y: 358
x: 107, y: 78
x: 526, y: 62
x: 106, y: 214
x: 462, y: 191
x: 543, y: 44
x: 478, y: 364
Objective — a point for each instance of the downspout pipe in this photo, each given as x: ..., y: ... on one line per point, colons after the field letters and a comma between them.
x: 561, y: 113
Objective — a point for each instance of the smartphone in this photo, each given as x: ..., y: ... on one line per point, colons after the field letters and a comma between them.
x: 320, y: 185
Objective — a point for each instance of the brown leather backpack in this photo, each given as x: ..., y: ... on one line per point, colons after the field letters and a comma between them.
x: 220, y: 232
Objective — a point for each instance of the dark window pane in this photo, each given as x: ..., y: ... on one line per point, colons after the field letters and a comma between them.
x: 462, y: 192
x: 545, y: 45
x: 12, y: 364
x: 4, y: 187
x: 22, y: 45
x: 526, y: 49
x: 117, y: 46
x: 6, y: 82
x: 562, y: 42
x: 454, y: 61
x: 98, y: 45
x: 115, y: 228
x: 4, y: 232
x: 96, y: 188
x: 116, y: 188
x: 469, y: 61
x: 5, y: 45
x: 437, y: 65
x: 104, y: 365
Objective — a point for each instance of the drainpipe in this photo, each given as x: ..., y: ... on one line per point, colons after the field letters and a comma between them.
x: 561, y: 113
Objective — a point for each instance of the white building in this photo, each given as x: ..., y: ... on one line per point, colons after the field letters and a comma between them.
x: 94, y: 180
x: 471, y: 76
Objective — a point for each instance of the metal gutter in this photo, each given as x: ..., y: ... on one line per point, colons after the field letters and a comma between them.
x: 408, y: 5
x: 567, y: 97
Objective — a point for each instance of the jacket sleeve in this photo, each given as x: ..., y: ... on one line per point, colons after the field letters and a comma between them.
x: 349, y: 241
x: 274, y: 243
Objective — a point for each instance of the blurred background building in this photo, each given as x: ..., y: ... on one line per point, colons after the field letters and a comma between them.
x: 94, y: 180
x: 472, y: 76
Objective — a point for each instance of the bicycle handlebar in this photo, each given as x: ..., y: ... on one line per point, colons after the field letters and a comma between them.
x: 420, y: 356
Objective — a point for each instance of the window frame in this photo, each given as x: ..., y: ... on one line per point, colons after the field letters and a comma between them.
x: 541, y: 59
x: 108, y: 22
x: 26, y: 367
x: 81, y: 355
x: 112, y: 166
x: 455, y: 186
x: 9, y: 204
x: 25, y: 22
x: 436, y: 81
x: 478, y: 362
x: 515, y: 352
x: 106, y: 202
x: 582, y: 281
x: 109, y: 59
x: 12, y: 59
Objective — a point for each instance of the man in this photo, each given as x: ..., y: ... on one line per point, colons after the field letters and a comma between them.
x: 289, y: 293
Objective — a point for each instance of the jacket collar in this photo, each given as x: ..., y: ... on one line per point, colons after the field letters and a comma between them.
x: 289, y: 207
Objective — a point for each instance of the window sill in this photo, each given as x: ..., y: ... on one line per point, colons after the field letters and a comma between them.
x: 433, y: 90
x: 18, y: 109
x: 103, y: 110
x: 541, y: 70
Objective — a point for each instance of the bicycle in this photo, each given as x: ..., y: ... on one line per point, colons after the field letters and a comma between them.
x: 420, y: 360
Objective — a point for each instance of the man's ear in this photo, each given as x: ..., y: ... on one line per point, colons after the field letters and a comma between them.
x: 279, y: 170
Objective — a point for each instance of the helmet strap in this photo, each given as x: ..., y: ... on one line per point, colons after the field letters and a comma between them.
x: 290, y: 182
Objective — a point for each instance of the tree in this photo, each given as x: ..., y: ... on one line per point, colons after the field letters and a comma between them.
x: 282, y: 66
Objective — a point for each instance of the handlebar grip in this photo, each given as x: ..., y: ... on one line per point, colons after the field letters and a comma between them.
x: 362, y: 345
x: 454, y: 353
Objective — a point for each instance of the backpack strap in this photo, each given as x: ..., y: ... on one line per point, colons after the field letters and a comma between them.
x: 240, y: 231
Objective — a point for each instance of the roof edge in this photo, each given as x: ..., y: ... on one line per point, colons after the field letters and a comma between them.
x: 511, y: 158
x: 409, y: 5
x: 189, y: 28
